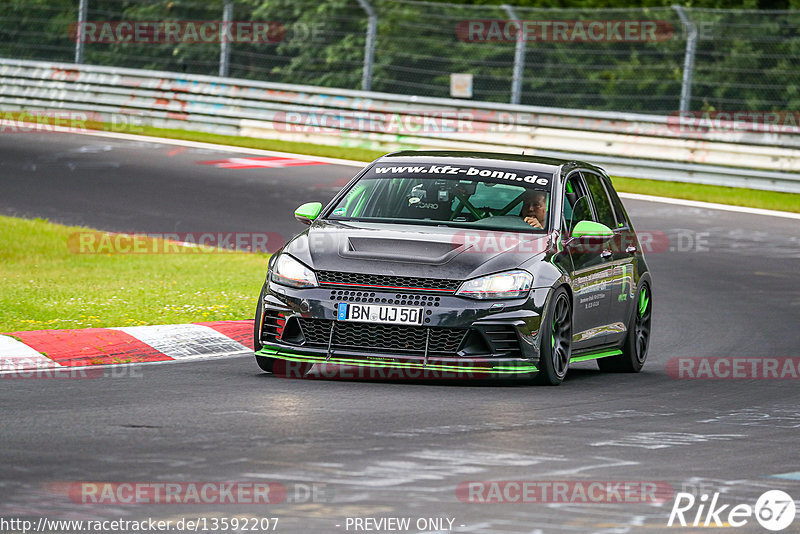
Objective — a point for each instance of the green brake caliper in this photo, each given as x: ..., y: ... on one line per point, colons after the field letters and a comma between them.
x: 643, y: 301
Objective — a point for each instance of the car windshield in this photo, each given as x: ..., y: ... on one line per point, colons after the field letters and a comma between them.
x: 451, y: 195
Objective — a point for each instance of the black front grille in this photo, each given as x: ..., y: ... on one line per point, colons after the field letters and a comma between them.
x: 355, y: 280
x: 384, y: 337
x: 400, y: 299
x: 504, y: 340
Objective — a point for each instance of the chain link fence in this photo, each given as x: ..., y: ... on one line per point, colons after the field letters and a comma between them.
x: 671, y: 59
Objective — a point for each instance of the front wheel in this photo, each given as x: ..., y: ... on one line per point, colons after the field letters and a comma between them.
x: 264, y: 362
x: 556, y: 341
x: 637, y: 340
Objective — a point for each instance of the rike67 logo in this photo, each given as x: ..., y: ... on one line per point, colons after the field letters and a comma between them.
x: 774, y: 510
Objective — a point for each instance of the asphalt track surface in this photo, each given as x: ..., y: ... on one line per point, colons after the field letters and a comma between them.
x: 728, y: 286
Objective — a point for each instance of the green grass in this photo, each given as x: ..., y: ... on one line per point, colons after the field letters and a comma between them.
x: 754, y: 198
x: 43, y: 284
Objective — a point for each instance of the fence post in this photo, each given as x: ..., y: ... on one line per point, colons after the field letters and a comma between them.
x: 519, y: 56
x: 688, y: 59
x: 369, y: 46
x: 83, y: 7
x: 224, y: 45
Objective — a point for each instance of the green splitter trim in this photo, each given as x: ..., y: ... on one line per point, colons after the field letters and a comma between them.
x: 591, y: 229
x: 596, y: 355
x: 308, y: 358
x: 309, y: 210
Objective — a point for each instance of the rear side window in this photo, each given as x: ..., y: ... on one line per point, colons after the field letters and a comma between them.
x: 576, y: 203
x: 602, y: 205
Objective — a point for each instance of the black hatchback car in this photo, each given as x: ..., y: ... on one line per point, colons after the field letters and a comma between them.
x: 470, y: 264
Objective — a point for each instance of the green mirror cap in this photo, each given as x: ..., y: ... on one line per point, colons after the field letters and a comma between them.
x: 309, y: 210
x: 591, y: 229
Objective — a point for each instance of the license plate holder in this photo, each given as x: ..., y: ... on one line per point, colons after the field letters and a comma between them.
x: 380, y: 313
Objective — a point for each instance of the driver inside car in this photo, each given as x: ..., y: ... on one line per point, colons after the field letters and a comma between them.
x: 534, y: 208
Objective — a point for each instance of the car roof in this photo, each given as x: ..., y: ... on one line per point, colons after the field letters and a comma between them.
x: 455, y: 157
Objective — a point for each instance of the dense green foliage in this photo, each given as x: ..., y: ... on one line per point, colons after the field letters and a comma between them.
x: 744, y: 60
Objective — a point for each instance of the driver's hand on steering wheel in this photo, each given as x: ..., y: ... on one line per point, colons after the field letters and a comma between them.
x: 533, y: 221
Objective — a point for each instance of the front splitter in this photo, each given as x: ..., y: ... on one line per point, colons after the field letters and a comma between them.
x: 406, y: 368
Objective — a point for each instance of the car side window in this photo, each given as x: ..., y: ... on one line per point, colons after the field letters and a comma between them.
x: 602, y: 204
x: 576, y: 203
x: 616, y: 203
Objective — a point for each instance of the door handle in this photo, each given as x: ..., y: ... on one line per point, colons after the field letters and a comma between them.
x: 605, y: 254
x: 630, y: 249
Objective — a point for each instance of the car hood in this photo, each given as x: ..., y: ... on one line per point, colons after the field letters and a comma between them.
x: 412, y: 250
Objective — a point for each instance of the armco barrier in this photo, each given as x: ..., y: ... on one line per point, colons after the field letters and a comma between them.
x: 640, y: 146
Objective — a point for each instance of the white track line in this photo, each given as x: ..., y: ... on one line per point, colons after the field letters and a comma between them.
x: 360, y: 164
x: 711, y: 205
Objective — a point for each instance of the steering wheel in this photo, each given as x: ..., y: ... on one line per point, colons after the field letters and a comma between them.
x: 504, y: 221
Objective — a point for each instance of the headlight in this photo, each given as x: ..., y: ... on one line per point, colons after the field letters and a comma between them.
x: 510, y: 285
x: 290, y: 272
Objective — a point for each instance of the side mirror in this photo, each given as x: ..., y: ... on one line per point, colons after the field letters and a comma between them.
x: 308, y: 212
x: 592, y: 230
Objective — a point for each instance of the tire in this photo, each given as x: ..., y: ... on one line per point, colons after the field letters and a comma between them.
x: 556, y: 340
x: 264, y: 362
x: 637, y: 340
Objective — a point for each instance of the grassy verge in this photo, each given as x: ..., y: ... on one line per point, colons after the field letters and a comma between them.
x: 753, y: 198
x: 43, y: 284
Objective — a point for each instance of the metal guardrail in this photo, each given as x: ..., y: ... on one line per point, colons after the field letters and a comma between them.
x: 626, y: 144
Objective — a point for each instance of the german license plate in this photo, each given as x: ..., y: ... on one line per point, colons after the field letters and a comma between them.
x: 375, y: 313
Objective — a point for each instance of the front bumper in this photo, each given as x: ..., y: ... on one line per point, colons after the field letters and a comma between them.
x: 461, y: 337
